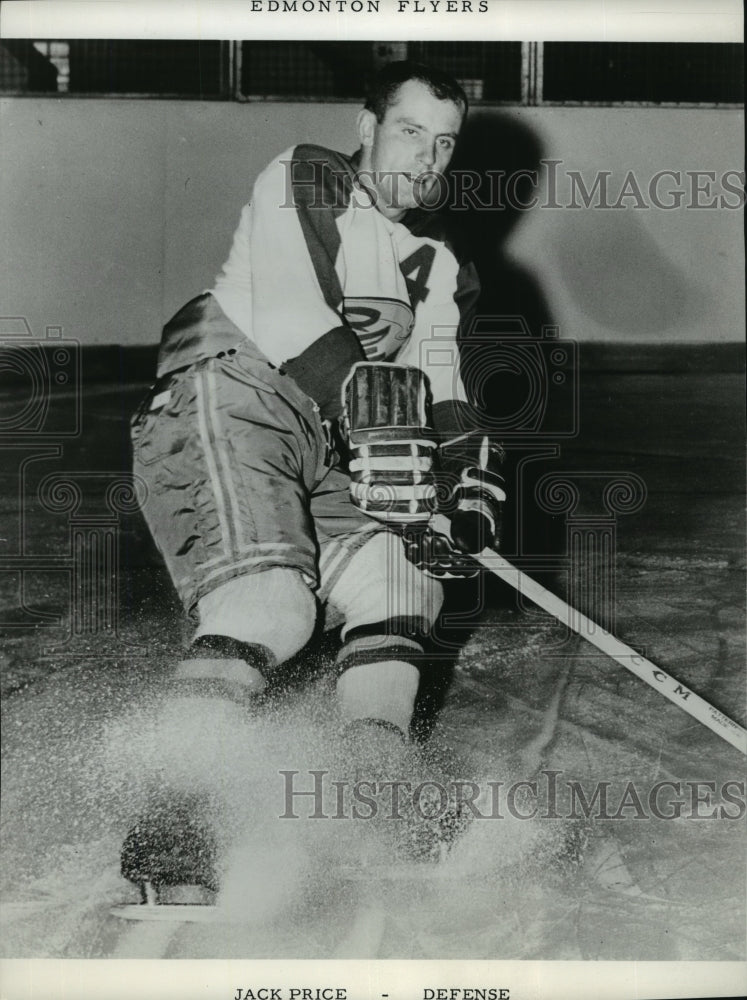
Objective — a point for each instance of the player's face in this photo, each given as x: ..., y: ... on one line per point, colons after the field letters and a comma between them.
x: 403, y: 154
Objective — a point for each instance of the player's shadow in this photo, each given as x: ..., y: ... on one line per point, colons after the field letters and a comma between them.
x: 492, y: 179
x: 493, y: 175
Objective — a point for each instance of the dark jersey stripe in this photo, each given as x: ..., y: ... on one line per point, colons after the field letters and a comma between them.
x: 322, y: 183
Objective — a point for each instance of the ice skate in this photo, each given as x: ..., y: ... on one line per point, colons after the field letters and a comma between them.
x: 419, y: 816
x: 171, y: 851
x: 170, y: 855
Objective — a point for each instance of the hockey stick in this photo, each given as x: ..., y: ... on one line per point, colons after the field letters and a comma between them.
x: 625, y: 655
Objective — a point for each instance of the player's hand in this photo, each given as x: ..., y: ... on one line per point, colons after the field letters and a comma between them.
x: 475, y: 504
x: 390, y: 444
x: 436, y: 554
x: 476, y: 522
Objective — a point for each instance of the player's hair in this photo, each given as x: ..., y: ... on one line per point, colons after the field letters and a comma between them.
x: 383, y: 89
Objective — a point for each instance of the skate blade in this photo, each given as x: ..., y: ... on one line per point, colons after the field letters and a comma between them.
x: 181, y: 913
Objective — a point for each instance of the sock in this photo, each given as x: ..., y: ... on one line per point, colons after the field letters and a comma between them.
x: 381, y: 691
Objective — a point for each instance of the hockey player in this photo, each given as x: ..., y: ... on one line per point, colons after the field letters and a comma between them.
x: 296, y: 441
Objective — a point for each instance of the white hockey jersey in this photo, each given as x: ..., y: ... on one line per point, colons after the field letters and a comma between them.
x: 313, y: 262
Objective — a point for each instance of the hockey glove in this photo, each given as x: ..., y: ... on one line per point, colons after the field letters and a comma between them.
x: 436, y: 554
x: 391, y: 446
x: 478, y: 500
x: 472, y: 496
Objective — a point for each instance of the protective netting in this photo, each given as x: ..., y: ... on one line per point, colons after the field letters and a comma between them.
x: 653, y: 72
x: 491, y: 72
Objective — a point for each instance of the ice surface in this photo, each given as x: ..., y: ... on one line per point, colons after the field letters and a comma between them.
x: 86, y: 752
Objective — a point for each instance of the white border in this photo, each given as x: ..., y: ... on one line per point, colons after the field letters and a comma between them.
x: 51, y: 979
x: 617, y: 20
x: 514, y: 20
